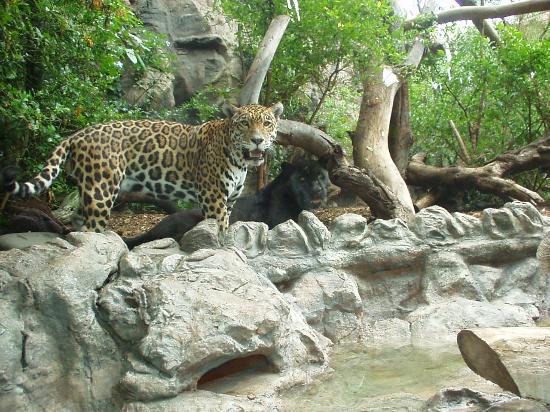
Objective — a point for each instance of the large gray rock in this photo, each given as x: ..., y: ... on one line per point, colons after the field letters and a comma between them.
x: 331, y: 303
x: 88, y: 326
x: 202, y: 40
x: 197, y: 313
x: 55, y: 354
x: 445, y: 319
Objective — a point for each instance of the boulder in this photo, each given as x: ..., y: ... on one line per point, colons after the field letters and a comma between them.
x: 55, y: 354
x: 198, y: 314
x: 443, y: 320
x: 201, y: 38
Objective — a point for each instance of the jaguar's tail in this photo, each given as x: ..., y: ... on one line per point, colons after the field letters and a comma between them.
x: 40, y: 182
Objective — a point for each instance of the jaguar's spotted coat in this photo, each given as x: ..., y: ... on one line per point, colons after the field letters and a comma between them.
x: 206, y: 164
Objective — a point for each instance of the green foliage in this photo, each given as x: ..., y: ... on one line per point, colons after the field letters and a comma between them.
x: 499, y: 98
x: 330, y: 32
x: 61, y: 63
x: 338, y: 116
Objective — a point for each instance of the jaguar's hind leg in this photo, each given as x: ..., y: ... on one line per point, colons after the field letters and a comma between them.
x: 97, y: 203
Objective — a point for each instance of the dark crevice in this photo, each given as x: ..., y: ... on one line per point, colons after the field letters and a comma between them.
x: 253, y: 363
x: 24, y: 339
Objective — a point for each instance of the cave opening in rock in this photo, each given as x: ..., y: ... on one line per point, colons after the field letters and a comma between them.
x: 235, y: 368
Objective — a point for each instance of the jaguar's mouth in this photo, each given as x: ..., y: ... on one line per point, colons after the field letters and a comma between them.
x: 254, y: 155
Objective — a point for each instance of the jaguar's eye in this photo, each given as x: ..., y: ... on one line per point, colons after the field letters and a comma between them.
x: 243, y: 123
x: 267, y: 123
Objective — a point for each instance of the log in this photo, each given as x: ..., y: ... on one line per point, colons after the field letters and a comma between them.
x: 363, y: 183
x: 489, y: 178
x: 517, y: 359
x: 477, y: 13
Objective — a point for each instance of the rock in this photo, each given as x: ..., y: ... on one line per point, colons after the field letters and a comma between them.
x: 154, y: 90
x: 516, y: 359
x: 288, y: 239
x: 204, y: 235
x: 202, y: 40
x: 24, y: 240
x: 87, y: 325
x: 435, y: 225
x: 348, y: 230
x: 55, y: 354
x: 250, y: 237
x: 447, y: 275
x: 499, y: 223
x: 455, y: 399
x: 205, y: 401
x: 518, y: 405
x: 331, y: 303
x: 317, y: 233
x: 445, y: 319
x: 240, y: 315
x: 543, y: 253
x: 401, y: 401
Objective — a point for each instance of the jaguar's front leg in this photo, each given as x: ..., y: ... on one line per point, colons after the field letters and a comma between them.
x: 215, y: 207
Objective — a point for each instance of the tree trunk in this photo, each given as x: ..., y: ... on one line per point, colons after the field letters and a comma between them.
x: 516, y: 359
x: 400, y: 137
x: 371, y: 150
x: 250, y: 93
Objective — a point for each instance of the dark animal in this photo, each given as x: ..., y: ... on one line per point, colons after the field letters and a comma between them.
x: 31, y: 215
x: 300, y: 186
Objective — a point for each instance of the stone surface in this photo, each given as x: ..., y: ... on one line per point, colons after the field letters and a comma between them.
x: 154, y: 90
x: 87, y: 325
x: 23, y: 240
x: 202, y: 40
x: 240, y: 316
x: 55, y: 354
x: 331, y: 303
x: 465, y: 399
x: 446, y: 318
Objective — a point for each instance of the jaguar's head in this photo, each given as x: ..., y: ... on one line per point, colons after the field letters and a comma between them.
x: 253, y: 128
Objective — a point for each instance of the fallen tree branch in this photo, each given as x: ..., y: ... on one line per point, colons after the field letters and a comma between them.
x: 479, y: 13
x: 490, y: 178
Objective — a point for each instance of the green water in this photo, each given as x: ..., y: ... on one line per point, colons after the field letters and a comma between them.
x: 362, y: 374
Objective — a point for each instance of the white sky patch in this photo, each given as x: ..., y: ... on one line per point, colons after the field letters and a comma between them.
x: 389, y: 77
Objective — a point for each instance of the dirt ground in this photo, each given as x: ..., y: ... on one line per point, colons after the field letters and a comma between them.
x: 130, y: 224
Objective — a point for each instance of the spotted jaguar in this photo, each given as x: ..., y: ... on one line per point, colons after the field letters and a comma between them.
x: 204, y: 164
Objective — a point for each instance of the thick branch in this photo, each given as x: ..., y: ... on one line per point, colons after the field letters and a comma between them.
x: 490, y: 178
x: 484, y: 27
x: 381, y: 200
x: 492, y: 12
x: 250, y: 93
x: 479, y: 13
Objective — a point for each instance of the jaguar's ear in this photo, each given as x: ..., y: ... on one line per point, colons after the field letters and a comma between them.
x: 228, y: 109
x: 277, y: 110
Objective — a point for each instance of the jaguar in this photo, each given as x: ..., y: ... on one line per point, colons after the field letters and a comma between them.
x: 204, y: 164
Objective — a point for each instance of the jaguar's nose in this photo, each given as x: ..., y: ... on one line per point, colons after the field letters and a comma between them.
x: 257, y: 140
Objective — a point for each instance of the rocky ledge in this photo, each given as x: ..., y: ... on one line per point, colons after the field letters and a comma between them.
x: 88, y: 325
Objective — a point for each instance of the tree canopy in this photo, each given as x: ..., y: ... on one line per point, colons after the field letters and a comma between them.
x: 61, y: 62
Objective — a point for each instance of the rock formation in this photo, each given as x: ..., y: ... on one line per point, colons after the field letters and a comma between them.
x: 88, y: 325
x: 204, y: 45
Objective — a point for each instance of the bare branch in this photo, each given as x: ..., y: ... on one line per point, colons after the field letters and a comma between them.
x: 492, y: 12
x: 250, y: 93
